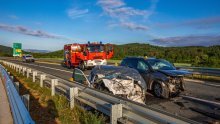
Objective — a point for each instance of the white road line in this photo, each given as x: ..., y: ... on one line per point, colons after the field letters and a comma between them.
x: 51, y: 68
x: 47, y: 63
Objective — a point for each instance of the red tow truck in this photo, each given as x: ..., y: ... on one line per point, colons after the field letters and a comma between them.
x: 87, y: 55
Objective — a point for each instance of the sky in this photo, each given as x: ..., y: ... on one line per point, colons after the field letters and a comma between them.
x: 49, y: 24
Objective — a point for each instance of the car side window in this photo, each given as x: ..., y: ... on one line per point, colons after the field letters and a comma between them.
x: 123, y: 63
x: 142, y: 66
x: 132, y: 63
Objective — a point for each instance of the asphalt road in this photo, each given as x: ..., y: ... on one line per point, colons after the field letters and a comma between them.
x: 174, y: 105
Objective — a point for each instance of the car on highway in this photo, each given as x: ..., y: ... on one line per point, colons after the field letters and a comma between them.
x: 28, y: 58
x: 162, y: 78
x: 117, y: 80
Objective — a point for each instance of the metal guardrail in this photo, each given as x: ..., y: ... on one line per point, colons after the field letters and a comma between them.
x: 117, y: 108
x: 194, y: 70
x: 202, y: 71
x: 19, y: 111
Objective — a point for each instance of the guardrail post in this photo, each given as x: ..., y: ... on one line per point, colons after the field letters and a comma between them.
x: 20, y: 69
x: 116, y: 112
x: 34, y: 75
x: 23, y: 70
x: 28, y: 72
x: 54, y: 82
x: 42, y: 78
x: 17, y: 68
x: 26, y: 100
x: 73, y: 91
x: 17, y: 86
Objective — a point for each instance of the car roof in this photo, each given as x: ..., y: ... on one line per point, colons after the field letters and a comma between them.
x: 133, y: 57
x: 27, y: 55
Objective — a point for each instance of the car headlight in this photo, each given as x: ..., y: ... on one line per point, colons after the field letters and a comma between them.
x: 175, y: 80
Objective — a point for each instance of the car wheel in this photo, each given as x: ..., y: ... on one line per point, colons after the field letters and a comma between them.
x: 82, y: 66
x: 69, y: 65
x: 182, y: 86
x: 159, y: 91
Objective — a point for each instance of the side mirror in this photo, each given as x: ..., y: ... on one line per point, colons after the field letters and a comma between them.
x: 84, y: 53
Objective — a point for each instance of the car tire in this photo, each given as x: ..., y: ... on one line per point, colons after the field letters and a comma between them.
x: 159, y: 91
x: 82, y: 66
x: 69, y: 65
x: 182, y: 86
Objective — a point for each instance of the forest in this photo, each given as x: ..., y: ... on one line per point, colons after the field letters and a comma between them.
x: 195, y: 55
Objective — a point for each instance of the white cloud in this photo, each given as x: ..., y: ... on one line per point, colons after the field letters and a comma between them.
x: 118, y: 10
x: 76, y: 13
x: 27, y: 31
x: 13, y: 16
x: 134, y: 26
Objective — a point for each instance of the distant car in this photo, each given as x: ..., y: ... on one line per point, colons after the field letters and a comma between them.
x: 161, y: 77
x: 27, y: 58
x: 117, y: 80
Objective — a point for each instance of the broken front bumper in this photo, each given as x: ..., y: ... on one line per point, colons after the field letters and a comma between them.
x: 92, y: 63
x: 175, y: 85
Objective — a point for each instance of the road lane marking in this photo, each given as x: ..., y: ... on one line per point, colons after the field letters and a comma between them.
x: 47, y: 63
x: 53, y: 68
x: 50, y: 68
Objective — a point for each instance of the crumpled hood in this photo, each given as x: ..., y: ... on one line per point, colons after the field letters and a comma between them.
x: 175, y: 72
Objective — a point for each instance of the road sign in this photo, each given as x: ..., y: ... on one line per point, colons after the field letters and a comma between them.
x: 17, y: 49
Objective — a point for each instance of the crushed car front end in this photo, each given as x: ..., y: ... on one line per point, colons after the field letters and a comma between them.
x: 120, y: 81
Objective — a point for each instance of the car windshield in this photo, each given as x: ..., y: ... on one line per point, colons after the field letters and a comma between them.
x: 95, y: 48
x: 158, y: 64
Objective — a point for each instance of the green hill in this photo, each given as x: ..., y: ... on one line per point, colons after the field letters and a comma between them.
x: 5, y: 51
x: 195, y: 55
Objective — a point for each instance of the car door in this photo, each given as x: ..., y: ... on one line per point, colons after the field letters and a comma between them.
x: 79, y: 77
x: 144, y: 70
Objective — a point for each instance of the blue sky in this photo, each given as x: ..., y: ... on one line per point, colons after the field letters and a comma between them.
x: 49, y: 24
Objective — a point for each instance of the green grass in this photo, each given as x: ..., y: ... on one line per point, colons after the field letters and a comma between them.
x: 206, y: 78
x: 54, y: 108
x: 113, y: 61
x: 183, y: 64
x: 50, y: 58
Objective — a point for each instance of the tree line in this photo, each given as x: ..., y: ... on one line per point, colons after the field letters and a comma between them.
x: 195, y: 55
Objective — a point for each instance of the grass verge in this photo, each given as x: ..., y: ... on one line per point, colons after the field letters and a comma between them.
x: 47, y: 109
x: 206, y: 78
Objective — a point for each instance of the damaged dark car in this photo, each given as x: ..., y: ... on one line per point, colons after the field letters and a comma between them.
x: 161, y: 77
x: 117, y: 80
